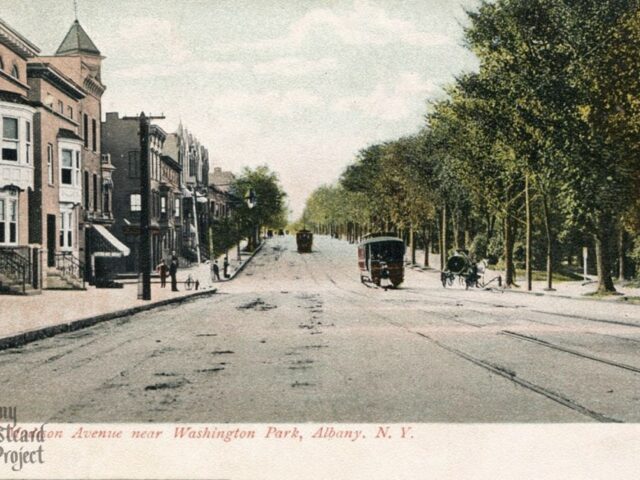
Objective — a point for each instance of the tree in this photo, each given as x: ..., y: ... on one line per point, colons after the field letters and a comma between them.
x: 270, y: 207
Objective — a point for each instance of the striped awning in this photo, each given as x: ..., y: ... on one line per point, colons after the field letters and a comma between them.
x: 107, y: 244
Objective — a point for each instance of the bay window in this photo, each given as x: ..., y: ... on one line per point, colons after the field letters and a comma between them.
x: 10, y: 139
x: 66, y: 170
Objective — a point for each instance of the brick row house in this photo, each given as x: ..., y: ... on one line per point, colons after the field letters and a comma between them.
x: 55, y: 186
x: 16, y: 163
x: 70, y: 183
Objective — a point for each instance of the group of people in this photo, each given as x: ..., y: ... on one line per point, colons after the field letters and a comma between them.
x: 172, y: 270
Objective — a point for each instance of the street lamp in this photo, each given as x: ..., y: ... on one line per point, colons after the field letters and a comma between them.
x: 252, y: 201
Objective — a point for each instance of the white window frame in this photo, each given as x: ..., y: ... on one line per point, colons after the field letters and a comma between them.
x: 28, y: 135
x: 13, y: 143
x: 66, y: 232
x: 163, y: 205
x: 67, y: 167
x: 9, y: 215
x: 176, y: 206
x: 77, y: 168
x: 135, y: 202
x: 50, y: 176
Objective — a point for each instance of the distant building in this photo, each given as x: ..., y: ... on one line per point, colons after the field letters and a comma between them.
x: 194, y: 160
x: 221, y: 200
x: 120, y: 139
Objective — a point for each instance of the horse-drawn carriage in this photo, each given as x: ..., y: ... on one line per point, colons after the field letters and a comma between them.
x: 469, y: 272
x: 380, y: 257
x: 304, y: 239
x: 461, y: 266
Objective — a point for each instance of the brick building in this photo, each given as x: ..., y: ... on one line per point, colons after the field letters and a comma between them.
x: 120, y: 139
x: 80, y: 60
x: 194, y: 160
x: 55, y: 205
x: 17, y: 257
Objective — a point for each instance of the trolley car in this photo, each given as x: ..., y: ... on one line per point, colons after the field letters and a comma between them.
x: 377, y: 250
x: 304, y: 239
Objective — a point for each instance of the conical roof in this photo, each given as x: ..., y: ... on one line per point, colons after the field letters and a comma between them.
x: 77, y: 41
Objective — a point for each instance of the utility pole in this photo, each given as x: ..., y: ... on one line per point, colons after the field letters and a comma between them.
x: 145, y: 194
x: 144, y: 256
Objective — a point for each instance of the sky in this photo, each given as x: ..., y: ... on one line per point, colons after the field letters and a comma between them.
x: 301, y: 86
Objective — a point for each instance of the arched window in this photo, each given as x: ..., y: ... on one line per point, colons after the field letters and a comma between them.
x: 14, y: 72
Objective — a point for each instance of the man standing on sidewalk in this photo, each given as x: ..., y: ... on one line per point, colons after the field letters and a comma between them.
x: 173, y: 271
x: 226, y: 266
x: 162, y: 268
x: 215, y: 272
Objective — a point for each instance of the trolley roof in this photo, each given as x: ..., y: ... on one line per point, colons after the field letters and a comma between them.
x: 381, y: 239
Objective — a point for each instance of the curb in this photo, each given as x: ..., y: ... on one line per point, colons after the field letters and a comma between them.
x: 585, y: 298
x: 50, y: 331
x: 244, y: 264
x: 543, y: 294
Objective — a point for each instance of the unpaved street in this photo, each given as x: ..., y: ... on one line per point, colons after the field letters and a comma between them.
x: 297, y: 338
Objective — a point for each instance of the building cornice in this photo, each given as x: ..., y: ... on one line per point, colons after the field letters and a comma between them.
x: 94, y: 87
x: 47, y: 72
x: 16, y: 42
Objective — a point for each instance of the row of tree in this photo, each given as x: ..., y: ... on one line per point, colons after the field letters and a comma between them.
x: 530, y: 159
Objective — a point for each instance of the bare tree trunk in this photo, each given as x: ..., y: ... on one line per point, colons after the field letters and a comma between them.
x: 509, y: 241
x: 426, y: 235
x: 549, y: 235
x: 455, y: 226
x: 467, y: 233
x: 412, y: 242
x: 603, y: 255
x: 443, y: 240
x: 527, y: 201
x: 621, y: 254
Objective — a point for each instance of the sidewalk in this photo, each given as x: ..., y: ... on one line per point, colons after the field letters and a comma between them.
x: 27, y: 318
x: 562, y: 289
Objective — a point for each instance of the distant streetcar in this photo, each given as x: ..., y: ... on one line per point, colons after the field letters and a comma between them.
x: 376, y: 251
x: 304, y: 239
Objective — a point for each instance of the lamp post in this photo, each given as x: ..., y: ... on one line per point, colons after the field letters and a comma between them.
x: 252, y: 201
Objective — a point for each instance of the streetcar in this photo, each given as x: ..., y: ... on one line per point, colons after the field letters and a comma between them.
x: 378, y: 252
x: 304, y: 239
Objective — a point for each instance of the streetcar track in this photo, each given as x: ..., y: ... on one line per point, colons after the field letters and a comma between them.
x: 570, y: 351
x: 505, y: 373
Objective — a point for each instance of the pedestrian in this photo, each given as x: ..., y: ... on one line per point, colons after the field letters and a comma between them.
x: 226, y: 266
x: 173, y: 271
x: 164, y: 270
x: 215, y: 271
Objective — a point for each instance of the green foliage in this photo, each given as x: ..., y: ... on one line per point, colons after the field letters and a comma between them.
x: 270, y: 207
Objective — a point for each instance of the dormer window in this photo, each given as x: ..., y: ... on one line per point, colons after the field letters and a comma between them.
x: 14, y: 72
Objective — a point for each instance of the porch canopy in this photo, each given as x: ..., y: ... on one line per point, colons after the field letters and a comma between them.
x: 107, y: 245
